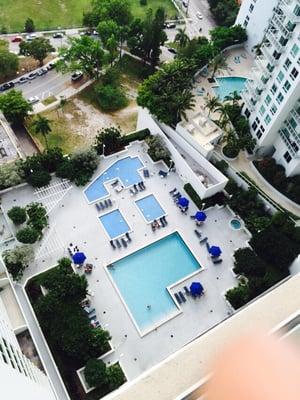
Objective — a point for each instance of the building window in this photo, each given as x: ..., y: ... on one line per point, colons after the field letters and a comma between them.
x: 267, y: 119
x: 287, y: 157
x: 262, y: 128
x: 279, y: 98
x: 286, y: 86
x: 259, y: 134
x: 247, y: 113
x: 287, y: 64
x: 297, y: 10
x: 262, y: 110
x: 280, y: 76
x: 273, y: 109
x: 274, y: 89
x: 268, y: 100
x: 251, y: 8
x: 295, y: 50
x: 294, y: 73
x: 254, y: 125
x: 293, y: 123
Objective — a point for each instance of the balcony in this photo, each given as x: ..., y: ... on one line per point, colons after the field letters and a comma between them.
x: 277, y: 21
x: 246, y: 99
x: 272, y: 38
x: 287, y: 8
x: 259, y: 78
x: 295, y: 115
x: 262, y: 65
x: 267, y: 49
x: 250, y: 87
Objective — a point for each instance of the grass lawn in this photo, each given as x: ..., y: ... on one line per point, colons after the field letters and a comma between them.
x: 51, y: 14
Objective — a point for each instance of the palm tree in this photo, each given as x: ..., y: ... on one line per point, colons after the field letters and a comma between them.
x: 234, y: 97
x: 181, y: 37
x: 218, y: 62
x: 186, y: 101
x: 212, y: 104
x: 42, y: 125
x: 62, y: 103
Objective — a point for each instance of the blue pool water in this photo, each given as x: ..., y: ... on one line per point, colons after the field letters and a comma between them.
x: 114, y: 224
x: 125, y: 170
x: 142, y: 278
x: 150, y: 208
x: 228, y: 85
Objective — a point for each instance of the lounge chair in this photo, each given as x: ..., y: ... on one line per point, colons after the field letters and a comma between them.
x: 112, y: 244
x: 218, y: 261
x: 172, y: 191
x: 162, y: 173
x: 109, y: 202
x: 106, y: 203
x: 101, y: 205
x: 175, y: 194
x: 132, y: 192
x: 204, y: 240
x: 198, y: 234
x: 124, y: 243
x: 89, y: 310
x: 119, y: 189
x: 182, y: 296
x: 98, y: 207
x: 143, y: 185
x: 177, y: 297
x: 192, y: 217
x: 135, y: 188
x: 164, y: 219
x: 118, y: 244
x: 92, y: 316
x: 128, y: 236
x: 114, y: 183
x: 146, y: 173
x: 207, y: 246
x: 161, y: 220
x: 140, y: 186
x: 187, y: 291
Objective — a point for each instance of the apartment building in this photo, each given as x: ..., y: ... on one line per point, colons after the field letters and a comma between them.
x: 272, y: 97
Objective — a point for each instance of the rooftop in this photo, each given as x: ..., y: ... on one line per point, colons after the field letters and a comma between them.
x: 8, y: 143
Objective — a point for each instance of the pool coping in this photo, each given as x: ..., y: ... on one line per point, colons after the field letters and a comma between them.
x: 140, y: 211
x: 106, y: 183
x: 216, y: 85
x: 179, y: 310
x: 108, y: 212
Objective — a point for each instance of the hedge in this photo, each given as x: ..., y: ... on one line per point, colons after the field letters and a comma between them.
x: 218, y: 198
x: 138, y: 135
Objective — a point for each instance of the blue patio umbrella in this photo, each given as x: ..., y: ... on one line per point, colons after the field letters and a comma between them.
x: 79, y: 258
x: 200, y: 216
x: 215, y: 251
x: 196, y: 288
x: 183, y: 202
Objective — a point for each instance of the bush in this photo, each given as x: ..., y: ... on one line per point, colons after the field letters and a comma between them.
x: 238, y: 296
x: 17, y: 215
x: 231, y: 150
x: 247, y: 263
x: 223, y: 37
x: 10, y: 175
x: 232, y: 187
x: 110, y: 138
x: 95, y: 372
x: 222, y: 166
x: 39, y: 178
x: 157, y: 149
x: 27, y: 235
x: 37, y: 214
x: 111, y: 77
x: 138, y: 135
x: 110, y: 98
x: 17, y: 259
x: 115, y: 376
x: 193, y: 195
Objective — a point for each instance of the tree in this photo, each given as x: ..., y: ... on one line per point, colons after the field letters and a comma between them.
x: 37, y: 214
x: 238, y: 296
x: 234, y: 97
x: 14, y: 106
x: 9, y: 63
x: 110, y: 98
x: 181, y: 37
x: 85, y: 54
x: 39, y: 178
x: 27, y: 235
x: 42, y: 125
x: 218, y: 62
x: 62, y: 103
x: 17, y: 259
x: 38, y: 48
x: 223, y: 37
x: 17, y: 215
x: 247, y: 263
x: 212, y: 104
x: 157, y: 149
x: 112, y: 47
x: 167, y: 93
x: 106, y: 29
x: 10, y: 175
x: 29, y: 25
x: 110, y: 138
x: 224, y: 11
x: 95, y: 372
x: 115, y: 376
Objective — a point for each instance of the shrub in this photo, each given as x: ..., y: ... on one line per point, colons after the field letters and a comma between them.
x: 39, y: 178
x: 27, y: 235
x: 110, y: 98
x: 95, y: 372
x: 17, y: 215
x: 10, y: 175
x: 138, y: 135
x: 222, y: 166
x: 157, y: 149
x: 115, y: 376
x: 37, y: 214
x: 238, y: 296
x: 193, y: 195
x: 17, y: 259
x: 231, y: 150
x: 232, y: 187
x: 110, y: 138
x: 111, y: 77
x: 247, y: 263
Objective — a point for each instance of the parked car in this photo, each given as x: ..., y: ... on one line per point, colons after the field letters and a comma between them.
x: 32, y: 76
x: 17, y: 39
x: 23, y: 79
x: 33, y: 99
x: 170, y: 25
x: 42, y: 71
x: 6, y: 86
x: 76, y: 76
x: 58, y: 35
x: 199, y: 15
x: 31, y: 36
x: 50, y: 66
x: 171, y: 50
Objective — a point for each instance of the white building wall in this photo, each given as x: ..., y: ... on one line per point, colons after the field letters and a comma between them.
x: 254, y: 15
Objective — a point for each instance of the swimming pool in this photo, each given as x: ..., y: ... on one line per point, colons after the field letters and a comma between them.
x: 142, y: 279
x: 126, y: 170
x: 150, y: 208
x: 114, y: 224
x: 228, y: 85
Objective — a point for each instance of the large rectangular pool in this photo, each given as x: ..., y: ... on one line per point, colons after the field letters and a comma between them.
x: 114, y: 223
x: 142, y: 279
x: 150, y: 208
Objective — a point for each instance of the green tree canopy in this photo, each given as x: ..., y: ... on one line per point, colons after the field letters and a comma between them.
x: 42, y: 125
x: 14, y: 106
x: 95, y: 372
x: 9, y: 63
x: 110, y: 138
x: 27, y: 235
x: 17, y: 259
x: 29, y: 25
x: 17, y: 215
x: 38, y: 48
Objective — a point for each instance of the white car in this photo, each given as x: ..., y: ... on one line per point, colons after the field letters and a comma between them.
x: 199, y: 15
x: 31, y: 36
x: 33, y: 100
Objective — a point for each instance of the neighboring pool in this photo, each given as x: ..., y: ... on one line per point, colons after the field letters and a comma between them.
x: 142, y: 279
x: 228, y: 85
x: 150, y: 208
x: 126, y: 170
x: 235, y: 224
x: 114, y: 224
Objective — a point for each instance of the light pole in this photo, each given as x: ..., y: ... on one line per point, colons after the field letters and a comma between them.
x: 103, y: 150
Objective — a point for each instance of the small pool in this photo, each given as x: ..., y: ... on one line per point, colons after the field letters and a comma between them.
x: 235, y: 224
x: 126, y: 170
x: 150, y: 208
x: 114, y: 224
x: 228, y: 85
x: 142, y: 279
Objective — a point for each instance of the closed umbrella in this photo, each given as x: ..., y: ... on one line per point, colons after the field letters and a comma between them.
x: 200, y: 216
x: 79, y: 258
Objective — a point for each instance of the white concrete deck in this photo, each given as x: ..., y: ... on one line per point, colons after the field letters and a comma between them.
x: 76, y: 222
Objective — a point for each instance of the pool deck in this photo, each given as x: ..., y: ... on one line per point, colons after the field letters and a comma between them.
x: 74, y: 221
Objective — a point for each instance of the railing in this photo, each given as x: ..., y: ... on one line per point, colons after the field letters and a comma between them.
x: 276, y: 20
x: 286, y: 9
x: 261, y: 63
x: 267, y: 52
x: 270, y: 35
